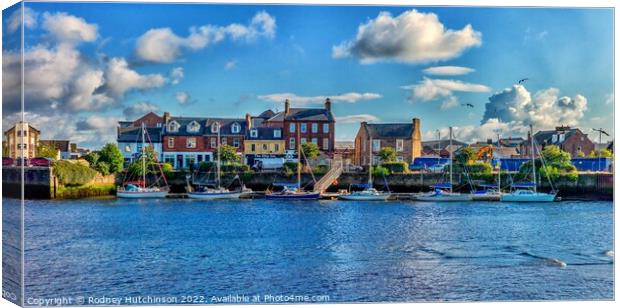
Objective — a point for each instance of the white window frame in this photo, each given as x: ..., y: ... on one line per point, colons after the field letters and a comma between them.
x: 303, y: 140
x: 277, y: 133
x: 224, y: 141
x: 376, y: 145
x: 193, y: 127
x: 235, y: 128
x: 215, y: 127
x: 315, y: 128
x: 190, y: 143
x: 254, y: 133
x: 173, y: 126
x: 236, y: 142
x: 213, y: 142
x: 326, y: 127
x: 326, y: 144
x: 171, y: 142
x: 291, y: 143
x: 291, y: 127
x: 400, y: 145
x: 303, y: 128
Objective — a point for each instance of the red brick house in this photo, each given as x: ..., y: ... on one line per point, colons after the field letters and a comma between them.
x: 405, y: 138
x: 315, y: 125
x: 571, y: 140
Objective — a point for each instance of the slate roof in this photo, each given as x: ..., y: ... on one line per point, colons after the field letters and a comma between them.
x: 307, y: 114
x: 393, y: 130
x: 61, y: 145
x: 546, y: 136
x: 432, y: 145
x: 133, y: 134
x: 266, y: 114
x: 205, y: 126
x: 264, y: 133
x: 226, y: 128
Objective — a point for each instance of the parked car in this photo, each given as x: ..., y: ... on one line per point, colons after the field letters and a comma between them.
x: 7, y: 161
x: 41, y: 162
x: 21, y: 161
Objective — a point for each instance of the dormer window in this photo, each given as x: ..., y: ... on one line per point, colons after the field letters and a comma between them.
x: 235, y: 128
x: 173, y: 126
x: 193, y: 127
x: 254, y: 133
x: 215, y: 127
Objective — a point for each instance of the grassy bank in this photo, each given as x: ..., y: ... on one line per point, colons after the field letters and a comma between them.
x: 84, y: 191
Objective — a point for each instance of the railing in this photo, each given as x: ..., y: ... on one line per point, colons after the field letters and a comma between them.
x: 334, y: 173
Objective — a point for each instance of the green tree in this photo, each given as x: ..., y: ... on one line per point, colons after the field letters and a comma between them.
x: 556, y: 163
x: 45, y: 150
x: 604, y: 153
x: 92, y: 158
x: 387, y: 154
x: 111, y: 155
x: 581, y: 154
x: 150, y: 162
x: 311, y: 150
x: 466, y: 155
x: 228, y: 154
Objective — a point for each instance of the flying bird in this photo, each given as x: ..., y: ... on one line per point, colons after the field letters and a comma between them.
x: 601, y: 131
x: 468, y: 105
x: 523, y: 80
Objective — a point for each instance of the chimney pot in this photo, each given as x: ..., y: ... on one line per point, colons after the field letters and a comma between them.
x: 248, y: 121
x: 286, y: 106
x: 328, y: 104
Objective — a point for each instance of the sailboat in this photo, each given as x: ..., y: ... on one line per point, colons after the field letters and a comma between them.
x: 293, y: 191
x: 369, y: 193
x: 527, y: 191
x: 491, y: 192
x: 139, y: 189
x: 443, y: 192
x: 218, y: 192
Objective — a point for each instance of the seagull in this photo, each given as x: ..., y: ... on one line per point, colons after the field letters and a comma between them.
x: 601, y: 131
x: 523, y: 80
x: 468, y: 105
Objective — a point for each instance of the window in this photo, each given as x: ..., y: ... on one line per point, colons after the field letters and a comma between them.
x: 325, y: 144
x: 127, y: 148
x: 191, y: 142
x: 193, y: 127
x: 376, y: 145
x: 291, y: 127
x: 139, y: 148
x: 304, y: 127
x: 224, y: 141
x: 276, y: 147
x: 277, y: 133
x: 253, y: 147
x: 291, y: 143
x: 236, y: 128
x: 399, y: 145
x: 254, y: 133
x: 170, y: 142
x: 315, y: 127
x: 236, y: 142
x: 215, y: 127
x: 315, y: 141
x: 303, y: 140
x: 213, y: 143
x: 326, y: 127
x: 173, y: 126
x: 169, y: 159
x: 265, y: 147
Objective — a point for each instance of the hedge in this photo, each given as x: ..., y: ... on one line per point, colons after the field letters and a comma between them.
x: 73, y: 174
x: 396, y: 167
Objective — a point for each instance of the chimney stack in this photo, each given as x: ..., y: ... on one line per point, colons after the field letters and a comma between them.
x: 248, y: 121
x: 328, y: 104
x: 286, y: 106
x: 166, y: 117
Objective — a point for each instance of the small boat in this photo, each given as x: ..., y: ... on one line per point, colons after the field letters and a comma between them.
x: 527, y: 192
x: 443, y: 193
x: 138, y: 189
x: 291, y: 191
x: 369, y: 193
x: 489, y: 192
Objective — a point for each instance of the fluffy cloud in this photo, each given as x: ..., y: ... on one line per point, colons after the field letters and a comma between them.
x: 448, y: 70
x: 432, y: 89
x: 182, y: 97
x: 97, y: 122
x: 69, y: 28
x: 121, y: 78
x: 177, y: 74
x: 230, y: 65
x: 14, y: 21
x: 139, y: 109
x: 411, y: 37
x: 164, y: 46
x: 351, y: 97
x: 356, y: 118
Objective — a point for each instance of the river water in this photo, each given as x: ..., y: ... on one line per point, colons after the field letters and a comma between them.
x: 202, y: 252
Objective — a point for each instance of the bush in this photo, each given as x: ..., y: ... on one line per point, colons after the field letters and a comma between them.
x: 396, y: 167
x: 207, y: 166
x: 167, y: 169
x: 320, y: 169
x: 480, y: 171
x: 380, y: 171
x: 387, y: 154
x: 73, y: 174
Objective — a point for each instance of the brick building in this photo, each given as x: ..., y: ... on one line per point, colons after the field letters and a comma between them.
x: 405, y: 138
x: 21, y: 140
x: 129, y: 135
x: 571, y: 140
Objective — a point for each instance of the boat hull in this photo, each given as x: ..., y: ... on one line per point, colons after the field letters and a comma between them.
x: 364, y: 198
x: 300, y: 196
x: 214, y: 195
x: 141, y: 194
x: 444, y: 198
x: 486, y: 197
x: 535, y: 197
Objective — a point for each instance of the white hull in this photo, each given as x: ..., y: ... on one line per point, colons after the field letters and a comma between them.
x: 214, y: 195
x: 444, y: 197
x: 533, y: 197
x: 353, y: 197
x: 141, y: 194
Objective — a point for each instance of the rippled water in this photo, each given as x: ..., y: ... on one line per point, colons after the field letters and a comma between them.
x: 394, y: 251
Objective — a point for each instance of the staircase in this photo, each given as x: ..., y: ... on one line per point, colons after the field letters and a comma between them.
x: 329, y: 177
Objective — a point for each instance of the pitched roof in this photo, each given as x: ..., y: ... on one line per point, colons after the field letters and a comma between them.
x: 61, y: 145
x: 183, y: 122
x: 226, y: 126
x: 133, y: 134
x: 390, y: 130
x: 308, y: 114
x: 432, y: 145
x: 264, y: 133
x: 546, y: 136
x: 266, y: 114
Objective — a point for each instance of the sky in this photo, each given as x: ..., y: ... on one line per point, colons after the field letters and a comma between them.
x: 89, y: 65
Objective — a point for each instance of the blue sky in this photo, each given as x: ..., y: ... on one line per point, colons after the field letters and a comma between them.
x: 563, y: 52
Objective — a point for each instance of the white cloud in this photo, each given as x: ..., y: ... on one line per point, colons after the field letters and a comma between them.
x: 411, y: 37
x: 120, y: 78
x: 68, y: 28
x: 350, y: 97
x: 97, y: 122
x: 177, y: 74
x: 432, y: 89
x: 164, y: 46
x: 356, y: 118
x: 182, y: 97
x: 450, y: 102
x: 139, y: 109
x: 609, y: 99
x: 14, y: 21
x: 448, y: 70
x: 230, y: 65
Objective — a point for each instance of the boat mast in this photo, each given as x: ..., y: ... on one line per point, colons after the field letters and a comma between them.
x: 499, y: 162
x: 450, y: 150
x: 370, y: 165
x: 298, y: 157
x: 143, y: 159
x: 218, y: 154
x: 533, y: 161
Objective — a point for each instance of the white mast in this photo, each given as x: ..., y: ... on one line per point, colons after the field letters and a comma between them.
x: 370, y: 165
x: 143, y: 159
x: 218, y: 154
x: 533, y: 161
x: 450, y: 150
x: 499, y: 162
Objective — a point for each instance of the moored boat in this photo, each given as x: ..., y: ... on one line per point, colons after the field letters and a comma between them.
x: 369, y: 193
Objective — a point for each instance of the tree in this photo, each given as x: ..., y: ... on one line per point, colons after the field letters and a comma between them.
x: 311, y: 150
x: 92, y: 158
x: 111, y: 155
x: 45, y: 150
x: 228, y: 154
x: 466, y: 155
x: 556, y: 163
x: 581, y: 154
x: 150, y: 162
x: 605, y: 153
x: 387, y: 154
